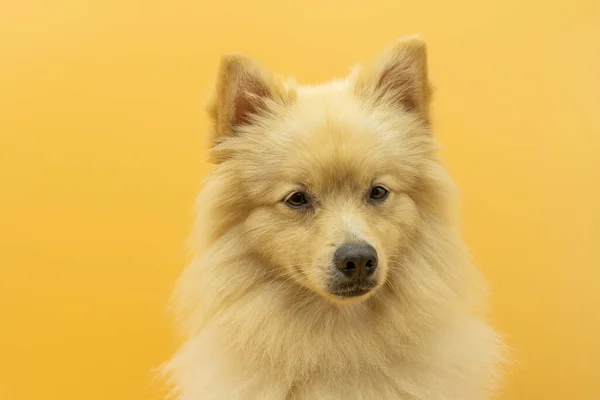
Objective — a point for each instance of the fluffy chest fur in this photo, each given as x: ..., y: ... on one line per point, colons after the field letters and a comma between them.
x: 283, y: 352
x: 255, y: 337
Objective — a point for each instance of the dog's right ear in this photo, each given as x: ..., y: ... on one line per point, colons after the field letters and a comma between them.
x: 244, y: 91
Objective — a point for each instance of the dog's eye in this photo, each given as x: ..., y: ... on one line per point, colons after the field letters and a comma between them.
x: 296, y: 200
x: 378, y: 193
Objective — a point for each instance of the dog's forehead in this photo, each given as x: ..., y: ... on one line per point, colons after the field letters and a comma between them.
x: 331, y: 139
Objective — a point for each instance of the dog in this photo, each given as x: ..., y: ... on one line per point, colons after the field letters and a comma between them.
x: 328, y: 261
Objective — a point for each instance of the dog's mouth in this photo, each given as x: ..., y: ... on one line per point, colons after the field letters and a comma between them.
x: 352, y: 293
x: 353, y: 289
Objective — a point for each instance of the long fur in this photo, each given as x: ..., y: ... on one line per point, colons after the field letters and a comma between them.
x: 256, y: 321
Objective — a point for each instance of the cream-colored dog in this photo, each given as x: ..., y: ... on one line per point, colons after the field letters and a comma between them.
x: 328, y: 261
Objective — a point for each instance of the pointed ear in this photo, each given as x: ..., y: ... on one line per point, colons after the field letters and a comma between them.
x: 244, y: 90
x: 399, y: 77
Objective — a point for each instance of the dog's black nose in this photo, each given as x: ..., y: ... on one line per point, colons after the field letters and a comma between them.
x: 356, y: 260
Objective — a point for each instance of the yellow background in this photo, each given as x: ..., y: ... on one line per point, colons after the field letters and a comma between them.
x: 101, y: 156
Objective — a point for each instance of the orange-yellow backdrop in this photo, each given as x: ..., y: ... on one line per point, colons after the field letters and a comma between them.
x: 101, y: 156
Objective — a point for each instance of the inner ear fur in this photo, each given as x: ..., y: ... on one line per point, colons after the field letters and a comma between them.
x: 243, y: 90
x: 398, y: 77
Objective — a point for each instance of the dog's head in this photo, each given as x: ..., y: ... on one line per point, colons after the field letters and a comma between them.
x: 321, y: 178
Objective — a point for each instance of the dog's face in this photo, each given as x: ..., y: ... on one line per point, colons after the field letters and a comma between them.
x: 323, y: 177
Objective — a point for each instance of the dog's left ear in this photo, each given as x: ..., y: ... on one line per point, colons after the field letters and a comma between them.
x: 398, y: 77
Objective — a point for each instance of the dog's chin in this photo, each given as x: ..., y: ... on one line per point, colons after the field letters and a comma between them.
x: 337, y: 290
x: 349, y: 299
x: 351, y: 294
